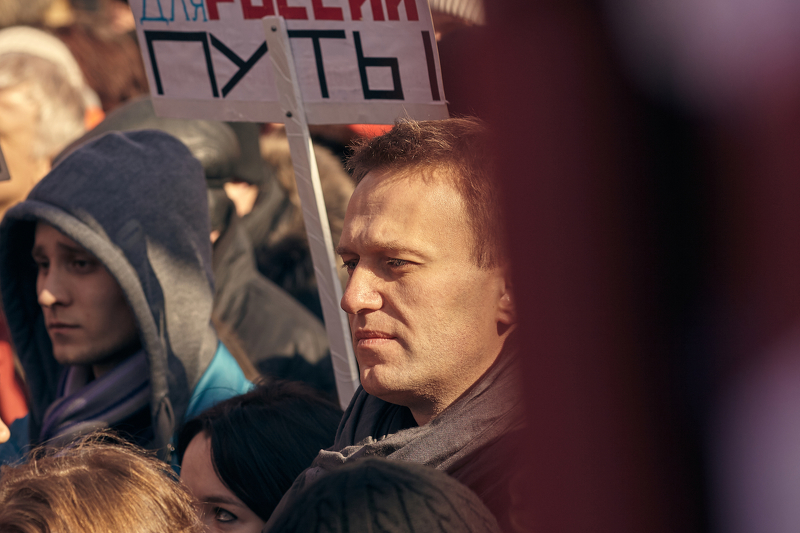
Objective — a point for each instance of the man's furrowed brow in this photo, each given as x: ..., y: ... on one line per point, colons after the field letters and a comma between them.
x: 391, y: 247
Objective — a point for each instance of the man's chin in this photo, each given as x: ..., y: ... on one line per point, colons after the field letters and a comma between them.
x: 377, y: 384
x: 67, y: 357
x: 371, y: 382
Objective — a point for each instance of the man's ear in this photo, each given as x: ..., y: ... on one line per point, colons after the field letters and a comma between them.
x: 506, y: 308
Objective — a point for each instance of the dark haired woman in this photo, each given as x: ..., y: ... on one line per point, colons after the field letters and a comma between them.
x: 240, y: 456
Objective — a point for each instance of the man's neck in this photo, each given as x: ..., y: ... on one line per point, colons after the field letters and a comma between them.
x: 430, y: 407
x: 114, y: 360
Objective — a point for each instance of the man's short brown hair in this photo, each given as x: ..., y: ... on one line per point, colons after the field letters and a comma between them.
x: 455, y: 148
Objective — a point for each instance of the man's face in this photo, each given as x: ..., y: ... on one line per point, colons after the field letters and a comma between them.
x: 424, y: 317
x: 86, y: 314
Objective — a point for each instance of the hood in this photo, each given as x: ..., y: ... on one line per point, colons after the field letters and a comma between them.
x: 137, y: 201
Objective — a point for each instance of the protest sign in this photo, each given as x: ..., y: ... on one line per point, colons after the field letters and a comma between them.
x: 358, y: 61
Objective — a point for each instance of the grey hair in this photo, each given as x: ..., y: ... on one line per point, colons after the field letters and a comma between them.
x: 61, y: 108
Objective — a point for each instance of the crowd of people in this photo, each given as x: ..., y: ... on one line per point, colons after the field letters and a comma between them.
x: 163, y: 362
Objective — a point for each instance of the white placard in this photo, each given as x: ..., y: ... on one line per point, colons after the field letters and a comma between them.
x: 357, y: 61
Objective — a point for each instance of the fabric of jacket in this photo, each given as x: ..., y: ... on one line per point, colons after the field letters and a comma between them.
x: 137, y: 202
x: 474, y: 439
x: 281, y: 338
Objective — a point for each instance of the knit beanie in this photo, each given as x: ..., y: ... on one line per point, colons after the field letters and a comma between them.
x: 382, y: 496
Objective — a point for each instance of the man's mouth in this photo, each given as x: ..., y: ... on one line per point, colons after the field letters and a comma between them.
x: 58, y: 327
x: 366, y: 337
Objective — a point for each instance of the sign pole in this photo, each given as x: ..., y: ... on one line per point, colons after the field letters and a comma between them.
x: 313, y: 204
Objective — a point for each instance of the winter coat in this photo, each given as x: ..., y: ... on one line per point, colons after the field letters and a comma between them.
x: 281, y: 338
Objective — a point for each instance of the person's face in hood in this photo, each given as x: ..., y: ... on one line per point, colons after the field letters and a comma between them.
x: 86, y: 314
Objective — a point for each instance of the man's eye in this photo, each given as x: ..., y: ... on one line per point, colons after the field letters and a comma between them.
x: 82, y: 265
x: 223, y: 515
x: 397, y: 263
x: 350, y: 265
x: 42, y: 265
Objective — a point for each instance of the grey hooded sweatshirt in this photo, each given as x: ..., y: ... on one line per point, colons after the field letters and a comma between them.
x: 137, y: 201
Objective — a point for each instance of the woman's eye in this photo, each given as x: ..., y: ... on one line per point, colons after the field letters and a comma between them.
x: 222, y: 515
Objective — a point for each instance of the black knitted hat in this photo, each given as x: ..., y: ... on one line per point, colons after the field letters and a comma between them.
x: 381, y: 496
x: 226, y: 150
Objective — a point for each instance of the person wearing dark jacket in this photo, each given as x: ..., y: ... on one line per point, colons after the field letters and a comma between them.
x: 431, y: 312
x: 282, y: 338
x: 105, y: 274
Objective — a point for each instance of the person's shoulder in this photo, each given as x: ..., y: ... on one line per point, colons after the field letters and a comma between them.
x: 15, y: 448
x: 222, y: 379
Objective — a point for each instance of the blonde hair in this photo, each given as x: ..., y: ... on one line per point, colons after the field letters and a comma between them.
x: 97, y: 484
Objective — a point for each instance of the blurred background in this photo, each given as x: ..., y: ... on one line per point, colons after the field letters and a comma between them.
x: 650, y: 162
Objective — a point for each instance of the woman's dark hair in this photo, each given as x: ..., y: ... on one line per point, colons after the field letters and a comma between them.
x: 261, y: 441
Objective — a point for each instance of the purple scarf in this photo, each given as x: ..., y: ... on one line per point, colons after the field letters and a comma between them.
x: 84, y: 406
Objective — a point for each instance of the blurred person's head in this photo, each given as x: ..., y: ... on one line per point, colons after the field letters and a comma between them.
x: 23, y: 12
x: 375, y: 494
x: 239, y: 457
x: 111, y: 61
x: 94, y: 486
x: 40, y: 113
x: 429, y: 298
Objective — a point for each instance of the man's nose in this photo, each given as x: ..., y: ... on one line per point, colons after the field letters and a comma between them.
x: 51, y: 291
x: 46, y: 298
x: 362, y: 292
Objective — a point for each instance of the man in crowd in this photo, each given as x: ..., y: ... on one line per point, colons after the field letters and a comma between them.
x: 105, y: 275
x: 431, y: 312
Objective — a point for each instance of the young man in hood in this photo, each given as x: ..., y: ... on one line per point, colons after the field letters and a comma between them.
x: 105, y: 274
